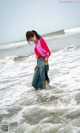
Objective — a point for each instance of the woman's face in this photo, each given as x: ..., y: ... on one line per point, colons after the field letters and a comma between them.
x: 33, y: 39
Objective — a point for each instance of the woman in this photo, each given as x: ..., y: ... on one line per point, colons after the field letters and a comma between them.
x: 40, y: 78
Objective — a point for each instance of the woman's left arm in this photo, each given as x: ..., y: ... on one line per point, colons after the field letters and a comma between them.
x: 45, y: 47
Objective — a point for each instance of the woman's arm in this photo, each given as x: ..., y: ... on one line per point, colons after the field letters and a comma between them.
x: 45, y: 47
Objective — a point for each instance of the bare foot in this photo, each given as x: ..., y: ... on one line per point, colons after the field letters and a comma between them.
x: 47, y: 86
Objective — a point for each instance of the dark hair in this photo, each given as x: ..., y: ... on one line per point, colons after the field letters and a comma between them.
x: 31, y: 33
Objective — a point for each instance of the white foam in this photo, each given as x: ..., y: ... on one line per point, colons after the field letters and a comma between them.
x: 12, y: 45
x: 16, y: 90
x: 72, y: 30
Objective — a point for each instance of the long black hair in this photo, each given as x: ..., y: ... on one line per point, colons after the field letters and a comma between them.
x: 31, y: 33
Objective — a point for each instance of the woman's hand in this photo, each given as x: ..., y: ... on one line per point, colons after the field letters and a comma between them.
x: 35, y: 68
x: 46, y: 60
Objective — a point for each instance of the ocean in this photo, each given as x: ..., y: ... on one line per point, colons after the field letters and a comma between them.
x: 24, y: 110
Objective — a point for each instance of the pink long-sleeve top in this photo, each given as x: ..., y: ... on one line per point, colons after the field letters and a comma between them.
x: 41, y: 48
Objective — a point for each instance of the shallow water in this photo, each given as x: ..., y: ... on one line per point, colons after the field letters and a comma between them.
x: 57, y: 110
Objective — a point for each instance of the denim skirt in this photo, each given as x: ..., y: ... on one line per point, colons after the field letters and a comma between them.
x: 40, y: 74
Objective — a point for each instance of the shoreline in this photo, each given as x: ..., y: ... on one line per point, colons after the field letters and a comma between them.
x: 53, y: 33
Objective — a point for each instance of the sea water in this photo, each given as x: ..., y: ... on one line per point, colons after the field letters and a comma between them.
x: 25, y: 110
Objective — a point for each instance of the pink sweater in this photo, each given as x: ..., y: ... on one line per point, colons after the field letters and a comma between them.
x: 41, y: 49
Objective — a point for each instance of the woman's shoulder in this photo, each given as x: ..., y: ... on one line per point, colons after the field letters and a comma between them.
x: 42, y: 39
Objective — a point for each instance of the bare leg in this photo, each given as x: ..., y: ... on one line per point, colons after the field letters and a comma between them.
x: 46, y: 85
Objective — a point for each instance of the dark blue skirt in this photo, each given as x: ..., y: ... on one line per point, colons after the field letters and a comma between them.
x: 41, y: 74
